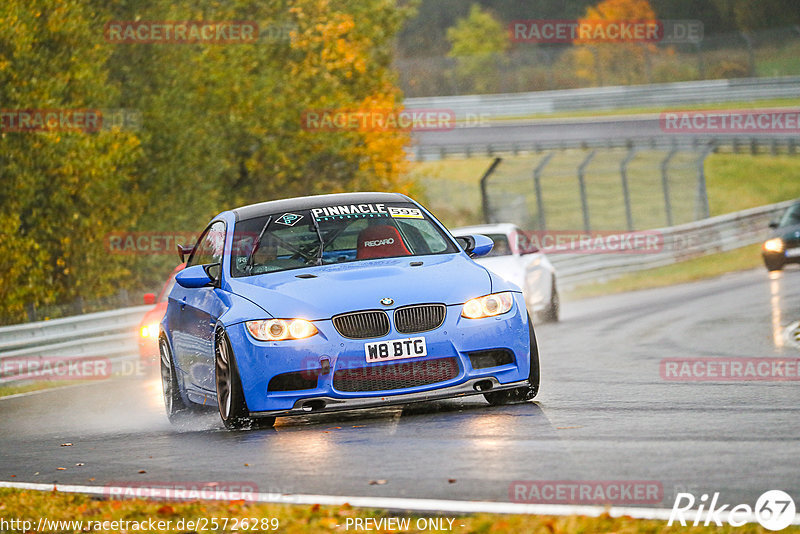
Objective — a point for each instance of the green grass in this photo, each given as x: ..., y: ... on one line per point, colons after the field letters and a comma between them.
x: 31, y: 505
x: 33, y: 386
x: 741, y: 259
x: 737, y: 181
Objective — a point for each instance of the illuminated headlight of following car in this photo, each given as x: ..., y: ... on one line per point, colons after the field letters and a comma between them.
x: 280, y: 329
x: 488, y: 306
x: 150, y: 330
x: 774, y: 245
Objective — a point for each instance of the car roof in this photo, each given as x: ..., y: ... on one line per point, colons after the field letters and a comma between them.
x: 499, y: 228
x: 315, y: 201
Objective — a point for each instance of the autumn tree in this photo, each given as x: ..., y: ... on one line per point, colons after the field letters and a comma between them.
x: 61, y: 191
x: 603, y: 62
x: 478, y: 44
x: 221, y: 126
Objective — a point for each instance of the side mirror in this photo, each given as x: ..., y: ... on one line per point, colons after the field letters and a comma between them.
x: 773, y: 225
x: 194, y: 277
x: 183, y: 251
x: 149, y: 298
x: 475, y: 245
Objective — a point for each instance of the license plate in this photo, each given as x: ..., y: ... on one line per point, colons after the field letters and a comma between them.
x: 397, y: 349
x: 792, y: 252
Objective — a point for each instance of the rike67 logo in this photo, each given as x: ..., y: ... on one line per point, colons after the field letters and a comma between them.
x: 774, y: 510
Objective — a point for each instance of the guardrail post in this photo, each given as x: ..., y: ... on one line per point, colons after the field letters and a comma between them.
x: 537, y: 185
x: 484, y: 192
x: 582, y: 181
x: 665, y: 184
x: 702, y: 211
x: 623, y: 173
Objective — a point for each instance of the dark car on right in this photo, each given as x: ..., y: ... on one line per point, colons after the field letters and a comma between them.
x: 784, y: 245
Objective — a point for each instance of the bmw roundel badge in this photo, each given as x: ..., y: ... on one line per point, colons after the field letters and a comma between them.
x: 387, y: 301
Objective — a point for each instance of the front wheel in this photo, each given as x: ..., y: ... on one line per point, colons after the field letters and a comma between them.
x: 525, y: 393
x: 230, y: 397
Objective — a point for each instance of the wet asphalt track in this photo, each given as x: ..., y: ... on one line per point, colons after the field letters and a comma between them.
x: 603, y: 413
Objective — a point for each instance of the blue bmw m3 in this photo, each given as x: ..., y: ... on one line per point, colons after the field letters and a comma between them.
x: 337, y: 302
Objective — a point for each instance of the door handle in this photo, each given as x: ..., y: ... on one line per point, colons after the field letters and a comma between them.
x: 183, y: 303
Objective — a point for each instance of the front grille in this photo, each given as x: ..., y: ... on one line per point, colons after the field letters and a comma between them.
x: 396, y: 376
x: 490, y: 358
x: 294, y: 381
x: 362, y: 325
x: 419, y: 318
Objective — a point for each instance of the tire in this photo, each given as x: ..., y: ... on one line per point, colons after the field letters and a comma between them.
x: 773, y: 264
x: 230, y: 397
x: 525, y: 393
x: 553, y: 310
x: 176, y: 408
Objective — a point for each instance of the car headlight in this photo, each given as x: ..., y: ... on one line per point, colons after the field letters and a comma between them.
x: 150, y: 330
x: 280, y: 329
x: 488, y: 306
x: 774, y: 245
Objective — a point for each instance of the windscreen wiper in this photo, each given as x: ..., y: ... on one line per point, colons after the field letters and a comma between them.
x: 249, y: 265
x: 321, y: 241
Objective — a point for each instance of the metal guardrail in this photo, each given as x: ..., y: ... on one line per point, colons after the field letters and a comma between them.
x: 112, y: 334
x: 682, y: 242
x: 736, y: 144
x: 109, y: 334
x: 608, y: 98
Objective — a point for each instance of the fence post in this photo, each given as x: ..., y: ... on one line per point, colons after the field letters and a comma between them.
x: 665, y: 184
x: 751, y: 58
x: 623, y: 173
x: 701, y: 64
x: 484, y: 193
x: 584, y: 201
x: 537, y: 185
x: 702, y: 211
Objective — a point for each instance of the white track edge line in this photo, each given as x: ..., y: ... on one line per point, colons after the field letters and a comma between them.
x: 395, y: 503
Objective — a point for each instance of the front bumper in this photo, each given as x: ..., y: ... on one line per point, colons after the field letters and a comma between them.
x: 259, y: 362
x: 782, y: 257
x: 474, y: 386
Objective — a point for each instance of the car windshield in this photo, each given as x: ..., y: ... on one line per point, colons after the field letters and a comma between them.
x: 501, y: 246
x: 792, y: 216
x: 348, y: 232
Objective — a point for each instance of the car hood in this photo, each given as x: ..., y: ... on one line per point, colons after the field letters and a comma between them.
x: 339, y: 288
